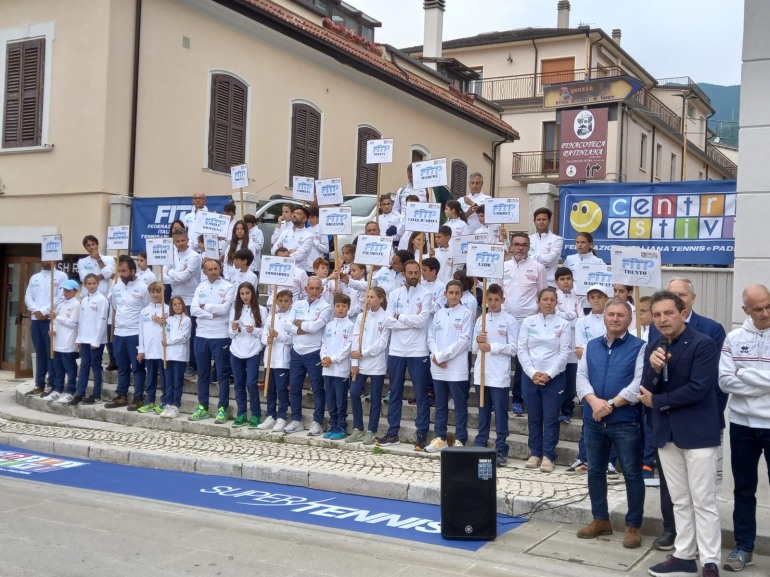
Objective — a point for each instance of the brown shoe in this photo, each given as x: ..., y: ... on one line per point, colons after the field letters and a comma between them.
x: 533, y: 462
x: 546, y: 466
x: 595, y: 528
x: 116, y: 403
x: 632, y: 539
x: 135, y: 404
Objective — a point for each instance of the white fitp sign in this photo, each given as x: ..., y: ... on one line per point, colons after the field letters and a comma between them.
x: 485, y: 260
x: 587, y: 275
x: 328, y: 191
x: 459, y: 246
x: 429, y: 173
x: 239, y: 176
x: 302, y: 188
x: 422, y: 216
x: 117, y: 237
x: 501, y: 211
x: 211, y: 246
x: 159, y: 251
x: 211, y: 223
x: 379, y: 151
x: 374, y: 250
x: 277, y: 270
x: 51, y: 248
x: 635, y: 266
x: 336, y: 220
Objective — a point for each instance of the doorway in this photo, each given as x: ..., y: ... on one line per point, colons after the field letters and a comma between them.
x: 15, y: 335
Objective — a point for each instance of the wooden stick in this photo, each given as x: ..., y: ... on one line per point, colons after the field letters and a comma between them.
x: 163, y: 316
x: 114, y: 282
x: 482, y: 394
x: 432, y: 198
x: 270, y: 346
x: 638, y: 320
x: 243, y: 212
x: 50, y: 322
x: 363, y: 314
x: 338, y: 250
x: 377, y: 208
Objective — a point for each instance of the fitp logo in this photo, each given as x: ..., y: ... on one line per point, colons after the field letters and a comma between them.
x: 304, y: 187
x: 375, y: 248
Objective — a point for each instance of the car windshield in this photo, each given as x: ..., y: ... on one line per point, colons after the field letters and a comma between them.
x: 362, y: 205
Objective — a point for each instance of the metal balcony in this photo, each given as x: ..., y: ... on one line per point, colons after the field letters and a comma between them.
x: 529, y: 86
x: 684, y: 83
x: 535, y: 163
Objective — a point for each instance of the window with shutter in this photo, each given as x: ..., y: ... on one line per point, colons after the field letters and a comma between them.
x: 366, y: 174
x: 459, y: 179
x: 23, y: 104
x: 305, y: 141
x: 227, y: 122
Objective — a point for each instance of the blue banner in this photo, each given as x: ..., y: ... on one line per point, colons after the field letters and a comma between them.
x: 690, y: 222
x: 152, y: 217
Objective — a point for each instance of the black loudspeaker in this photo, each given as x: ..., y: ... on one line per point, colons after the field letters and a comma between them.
x: 468, y: 493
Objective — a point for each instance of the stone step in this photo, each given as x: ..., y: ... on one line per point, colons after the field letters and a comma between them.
x: 517, y: 440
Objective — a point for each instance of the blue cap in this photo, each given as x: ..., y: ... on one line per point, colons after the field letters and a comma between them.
x: 70, y: 285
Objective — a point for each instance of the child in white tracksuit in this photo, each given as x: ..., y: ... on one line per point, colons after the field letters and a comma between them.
x: 92, y: 336
x: 178, y: 328
x: 64, y: 328
x: 372, y: 362
x: 335, y: 360
x: 449, y: 340
x: 247, y: 318
x: 278, y: 340
x: 152, y: 321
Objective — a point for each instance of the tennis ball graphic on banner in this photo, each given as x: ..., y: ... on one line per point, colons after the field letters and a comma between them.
x: 586, y: 216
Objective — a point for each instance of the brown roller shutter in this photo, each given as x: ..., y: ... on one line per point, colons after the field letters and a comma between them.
x: 366, y: 174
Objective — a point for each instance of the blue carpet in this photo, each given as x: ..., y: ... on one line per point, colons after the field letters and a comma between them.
x: 372, y: 515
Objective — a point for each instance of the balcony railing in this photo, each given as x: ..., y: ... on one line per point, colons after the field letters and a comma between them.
x: 660, y: 110
x: 535, y: 162
x: 730, y: 168
x: 527, y: 86
x: 685, y: 83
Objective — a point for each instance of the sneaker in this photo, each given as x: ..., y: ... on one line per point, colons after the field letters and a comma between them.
x: 74, y: 401
x: 173, y: 411
x: 116, y: 403
x: 458, y: 443
x: 420, y: 443
x: 502, y: 459
x: 533, y: 462
x: 337, y: 435
x: 36, y: 392
x: 612, y: 473
x: 387, y: 440
x: 315, y: 430
x: 166, y: 413
x: 52, y: 396
x: 328, y: 433
x: 710, y: 570
x: 518, y: 410
x: 673, y: 566
x: 65, y: 398
x: 240, y: 421
x: 189, y: 373
x: 200, y: 414
x: 267, y: 424
x: 355, y: 437
x: 293, y: 427
x: 435, y: 446
x: 280, y: 426
x: 566, y: 419
x: 665, y: 542
x: 369, y: 439
x: 90, y: 400
x: 254, y: 422
x: 221, y: 417
x: 136, y: 404
x: 577, y: 468
x: 47, y: 391
x: 160, y: 408
x: 647, y: 472
x: 147, y: 408
x: 738, y: 559
x: 546, y: 466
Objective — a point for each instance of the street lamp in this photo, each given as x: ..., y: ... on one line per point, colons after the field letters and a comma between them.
x: 685, y: 96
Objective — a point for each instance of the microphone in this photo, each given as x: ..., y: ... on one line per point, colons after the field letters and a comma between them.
x: 664, y: 371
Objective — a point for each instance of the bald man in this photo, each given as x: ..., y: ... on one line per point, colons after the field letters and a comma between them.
x: 744, y: 372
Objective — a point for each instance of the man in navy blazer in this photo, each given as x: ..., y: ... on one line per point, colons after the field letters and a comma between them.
x: 679, y: 385
x: 683, y: 288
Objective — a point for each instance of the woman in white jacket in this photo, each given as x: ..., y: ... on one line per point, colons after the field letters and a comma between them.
x: 545, y: 342
x: 177, y: 337
x: 584, y: 254
x: 371, y: 361
x: 152, y: 323
x: 245, y: 330
x: 449, y: 342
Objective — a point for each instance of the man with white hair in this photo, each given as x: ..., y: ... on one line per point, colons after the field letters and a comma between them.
x: 473, y: 200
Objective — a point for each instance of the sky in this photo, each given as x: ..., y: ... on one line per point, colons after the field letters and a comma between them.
x: 669, y: 38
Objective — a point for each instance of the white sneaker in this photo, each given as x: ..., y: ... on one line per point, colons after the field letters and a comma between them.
x: 64, y: 399
x: 315, y: 430
x: 294, y: 427
x: 52, y: 396
x: 280, y: 426
x: 165, y: 413
x: 268, y: 423
x: 173, y: 411
x: 436, y: 445
x: 458, y: 443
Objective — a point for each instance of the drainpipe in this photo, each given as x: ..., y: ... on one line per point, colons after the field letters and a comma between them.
x: 623, y: 120
x: 653, y: 154
x: 134, y: 99
x: 534, y: 83
x: 493, y: 161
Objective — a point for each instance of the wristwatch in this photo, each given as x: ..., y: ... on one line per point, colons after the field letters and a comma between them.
x: 611, y: 403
